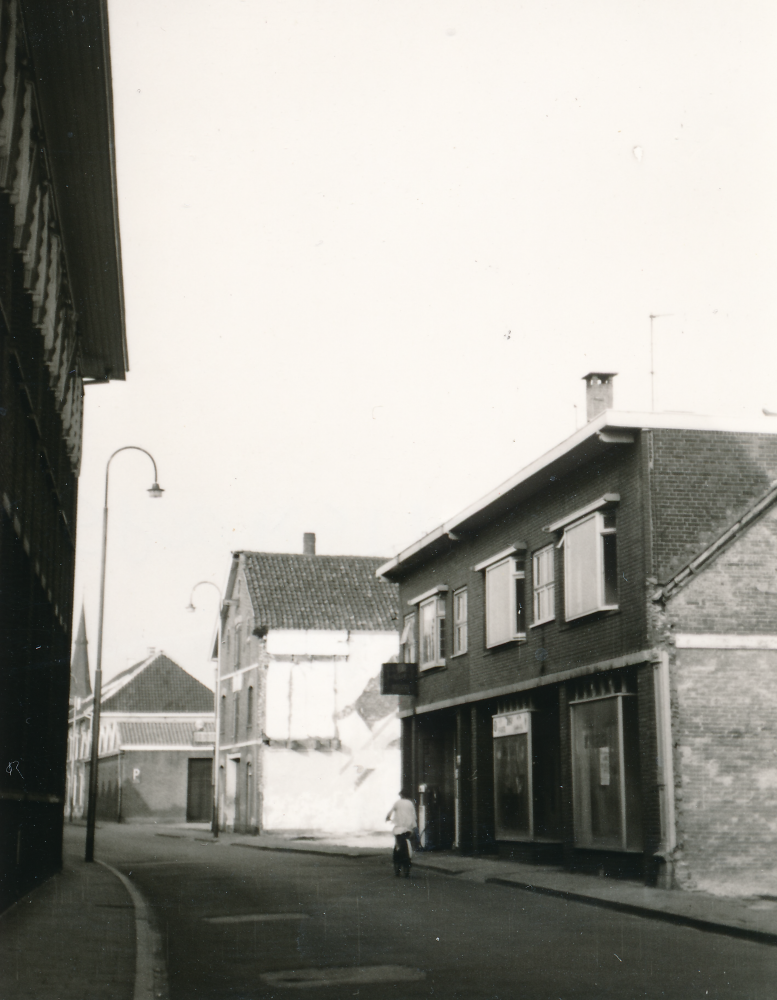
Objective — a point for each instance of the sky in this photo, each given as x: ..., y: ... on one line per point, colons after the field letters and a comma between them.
x: 371, y: 248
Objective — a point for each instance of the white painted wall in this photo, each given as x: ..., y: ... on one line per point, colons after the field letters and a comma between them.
x: 333, y: 791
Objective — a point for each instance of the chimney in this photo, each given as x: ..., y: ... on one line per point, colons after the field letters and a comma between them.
x: 598, y: 393
x: 309, y: 544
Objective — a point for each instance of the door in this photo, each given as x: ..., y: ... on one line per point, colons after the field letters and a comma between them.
x: 199, y: 797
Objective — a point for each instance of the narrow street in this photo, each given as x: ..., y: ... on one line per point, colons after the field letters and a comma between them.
x: 246, y: 923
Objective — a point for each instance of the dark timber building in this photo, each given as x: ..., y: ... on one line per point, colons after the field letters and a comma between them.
x: 61, y: 326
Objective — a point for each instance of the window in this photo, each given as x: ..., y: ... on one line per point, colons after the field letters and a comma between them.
x: 543, y: 583
x: 250, y: 709
x: 432, y: 628
x: 590, y: 565
x: 223, y: 716
x: 237, y: 711
x: 238, y: 638
x: 408, y: 640
x: 505, y: 611
x: 460, y: 621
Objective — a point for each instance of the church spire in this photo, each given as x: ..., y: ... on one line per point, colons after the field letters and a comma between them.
x: 80, y: 686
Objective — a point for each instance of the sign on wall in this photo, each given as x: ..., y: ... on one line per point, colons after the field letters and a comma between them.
x: 399, y: 678
x: 511, y: 724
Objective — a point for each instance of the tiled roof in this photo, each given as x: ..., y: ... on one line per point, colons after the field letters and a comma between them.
x: 149, y: 733
x: 160, y: 686
x: 320, y: 592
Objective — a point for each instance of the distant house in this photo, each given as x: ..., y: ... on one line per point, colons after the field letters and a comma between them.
x: 156, y: 745
x: 306, y: 740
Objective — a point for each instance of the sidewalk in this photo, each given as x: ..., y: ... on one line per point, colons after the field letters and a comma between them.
x: 752, y: 918
x: 72, y: 938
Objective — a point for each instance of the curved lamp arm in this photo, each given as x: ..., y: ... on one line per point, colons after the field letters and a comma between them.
x: 156, y: 490
x: 203, y: 583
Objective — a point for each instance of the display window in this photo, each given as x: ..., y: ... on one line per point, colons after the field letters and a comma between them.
x: 513, y: 792
x: 605, y: 773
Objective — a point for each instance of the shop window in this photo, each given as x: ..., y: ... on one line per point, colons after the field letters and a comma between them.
x: 505, y: 611
x: 460, y: 621
x: 513, y: 793
x: 544, y: 585
x: 407, y: 641
x: 432, y: 632
x: 605, y: 773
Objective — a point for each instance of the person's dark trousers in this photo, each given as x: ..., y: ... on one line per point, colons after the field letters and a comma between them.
x: 401, y: 855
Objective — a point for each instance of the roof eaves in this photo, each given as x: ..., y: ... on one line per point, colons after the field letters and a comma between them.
x: 608, y: 420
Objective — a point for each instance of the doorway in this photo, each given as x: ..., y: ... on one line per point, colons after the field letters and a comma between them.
x: 199, y: 790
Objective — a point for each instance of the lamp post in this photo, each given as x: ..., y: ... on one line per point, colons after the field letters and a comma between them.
x: 155, y: 493
x: 216, y: 705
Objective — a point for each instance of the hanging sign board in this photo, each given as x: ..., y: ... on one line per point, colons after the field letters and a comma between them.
x: 399, y: 678
x: 511, y: 724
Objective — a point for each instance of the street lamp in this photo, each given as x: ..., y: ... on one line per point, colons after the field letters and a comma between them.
x: 216, y: 702
x: 155, y: 493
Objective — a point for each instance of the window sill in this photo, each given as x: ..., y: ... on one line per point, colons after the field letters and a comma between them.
x: 545, y: 621
x: 593, y: 611
x: 521, y: 637
x: 432, y: 666
x: 462, y: 653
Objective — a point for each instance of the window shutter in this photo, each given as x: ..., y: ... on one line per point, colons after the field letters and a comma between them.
x: 581, y: 568
x: 498, y: 604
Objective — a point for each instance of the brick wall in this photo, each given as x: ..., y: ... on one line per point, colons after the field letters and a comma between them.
x: 557, y: 645
x: 726, y: 739
x: 701, y: 481
x: 737, y: 592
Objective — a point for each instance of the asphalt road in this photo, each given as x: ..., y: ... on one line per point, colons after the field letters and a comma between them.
x: 253, y: 925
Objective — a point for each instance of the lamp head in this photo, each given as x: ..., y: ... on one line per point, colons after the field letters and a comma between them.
x: 155, y: 492
x: 190, y: 607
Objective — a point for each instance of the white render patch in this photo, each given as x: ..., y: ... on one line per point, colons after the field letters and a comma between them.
x: 307, y: 642
x: 255, y: 918
x: 687, y: 640
x: 354, y: 976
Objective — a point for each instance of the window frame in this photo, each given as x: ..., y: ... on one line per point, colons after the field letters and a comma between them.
x: 460, y: 624
x: 603, y: 531
x: 438, y: 604
x: 513, y: 560
x: 544, y: 587
x: 407, y: 641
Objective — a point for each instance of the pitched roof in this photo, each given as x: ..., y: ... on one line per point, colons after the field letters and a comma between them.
x: 80, y: 686
x: 156, y: 684
x: 707, y: 554
x: 291, y: 591
x: 591, y: 439
x: 150, y: 733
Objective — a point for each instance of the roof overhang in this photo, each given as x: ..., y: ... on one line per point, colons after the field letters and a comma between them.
x: 70, y: 53
x: 611, y: 429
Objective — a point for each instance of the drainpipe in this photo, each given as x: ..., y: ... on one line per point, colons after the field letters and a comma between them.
x: 665, y: 762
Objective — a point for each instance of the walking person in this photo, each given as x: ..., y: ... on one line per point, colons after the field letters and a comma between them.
x: 405, y: 821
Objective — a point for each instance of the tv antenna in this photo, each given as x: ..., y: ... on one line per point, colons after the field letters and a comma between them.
x: 652, y: 367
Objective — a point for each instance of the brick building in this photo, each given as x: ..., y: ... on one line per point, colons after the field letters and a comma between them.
x: 593, y: 641
x: 156, y: 746
x: 61, y: 327
x: 306, y: 740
